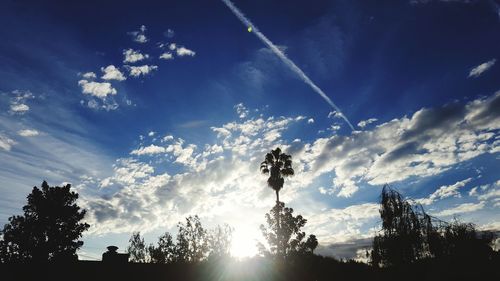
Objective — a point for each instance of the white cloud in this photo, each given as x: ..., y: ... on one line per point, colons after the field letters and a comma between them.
x: 428, y: 143
x: 488, y: 191
x: 132, y: 56
x: 334, y: 128
x: 182, y: 51
x: 18, y: 102
x: 28, y: 133
x: 172, y: 46
x: 310, y: 121
x: 365, y: 123
x: 167, y: 138
x: 221, y: 180
x: 151, y: 133
x: 6, y: 143
x: 112, y: 73
x: 480, y: 69
x: 140, y: 35
x: 143, y: 70
x: 241, y: 110
x: 167, y: 56
x: 97, y: 89
x: 148, y: 150
x: 444, y: 191
x: 89, y: 75
x: 462, y: 208
x: 19, y: 108
x: 334, y: 114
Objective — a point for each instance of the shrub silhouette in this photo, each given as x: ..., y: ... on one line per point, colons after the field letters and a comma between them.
x: 49, y: 229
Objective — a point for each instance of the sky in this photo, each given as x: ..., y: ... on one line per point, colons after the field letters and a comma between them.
x: 158, y: 110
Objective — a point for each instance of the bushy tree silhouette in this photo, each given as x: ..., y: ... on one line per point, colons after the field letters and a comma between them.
x: 137, y: 248
x: 49, y: 230
x: 286, y: 240
x: 192, y: 244
x: 164, y: 252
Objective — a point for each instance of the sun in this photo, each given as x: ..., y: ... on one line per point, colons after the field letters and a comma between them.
x: 244, y: 243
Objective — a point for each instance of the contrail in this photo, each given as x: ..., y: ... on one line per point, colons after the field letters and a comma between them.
x: 284, y: 58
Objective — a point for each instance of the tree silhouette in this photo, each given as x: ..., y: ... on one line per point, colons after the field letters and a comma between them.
x: 402, y: 239
x: 408, y: 234
x: 49, y: 229
x: 285, y: 240
x: 219, y: 240
x: 137, y: 248
x: 164, y: 252
x: 460, y: 241
x: 192, y: 243
x: 277, y: 165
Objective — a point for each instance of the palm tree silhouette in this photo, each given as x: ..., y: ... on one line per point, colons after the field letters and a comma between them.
x: 277, y: 165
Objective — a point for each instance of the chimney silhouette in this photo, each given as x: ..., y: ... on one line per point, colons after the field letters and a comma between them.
x: 111, y: 256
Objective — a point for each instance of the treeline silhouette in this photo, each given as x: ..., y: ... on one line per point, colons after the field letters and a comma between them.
x: 411, y: 245
x: 193, y: 244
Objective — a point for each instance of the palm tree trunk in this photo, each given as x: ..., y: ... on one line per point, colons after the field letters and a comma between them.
x: 279, y: 246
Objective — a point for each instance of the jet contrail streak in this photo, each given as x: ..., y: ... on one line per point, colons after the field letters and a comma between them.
x: 284, y: 58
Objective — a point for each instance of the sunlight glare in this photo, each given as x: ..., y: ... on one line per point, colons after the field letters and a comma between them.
x: 244, y: 243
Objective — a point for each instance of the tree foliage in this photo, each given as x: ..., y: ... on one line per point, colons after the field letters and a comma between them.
x: 219, y: 240
x: 277, y: 165
x: 409, y: 234
x: 284, y: 235
x: 193, y: 244
x: 137, y: 248
x: 49, y: 230
x: 164, y: 252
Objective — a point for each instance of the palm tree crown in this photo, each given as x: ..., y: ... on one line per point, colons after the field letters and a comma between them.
x: 277, y: 165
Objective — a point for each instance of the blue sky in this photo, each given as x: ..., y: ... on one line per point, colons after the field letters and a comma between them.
x: 155, y: 111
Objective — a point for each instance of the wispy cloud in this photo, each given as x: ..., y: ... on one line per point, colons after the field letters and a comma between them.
x: 462, y: 208
x: 28, y: 133
x: 445, y: 191
x: 6, y: 143
x: 364, y: 123
x: 480, y: 69
x: 284, y: 58
x: 18, y: 103
x: 139, y: 36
